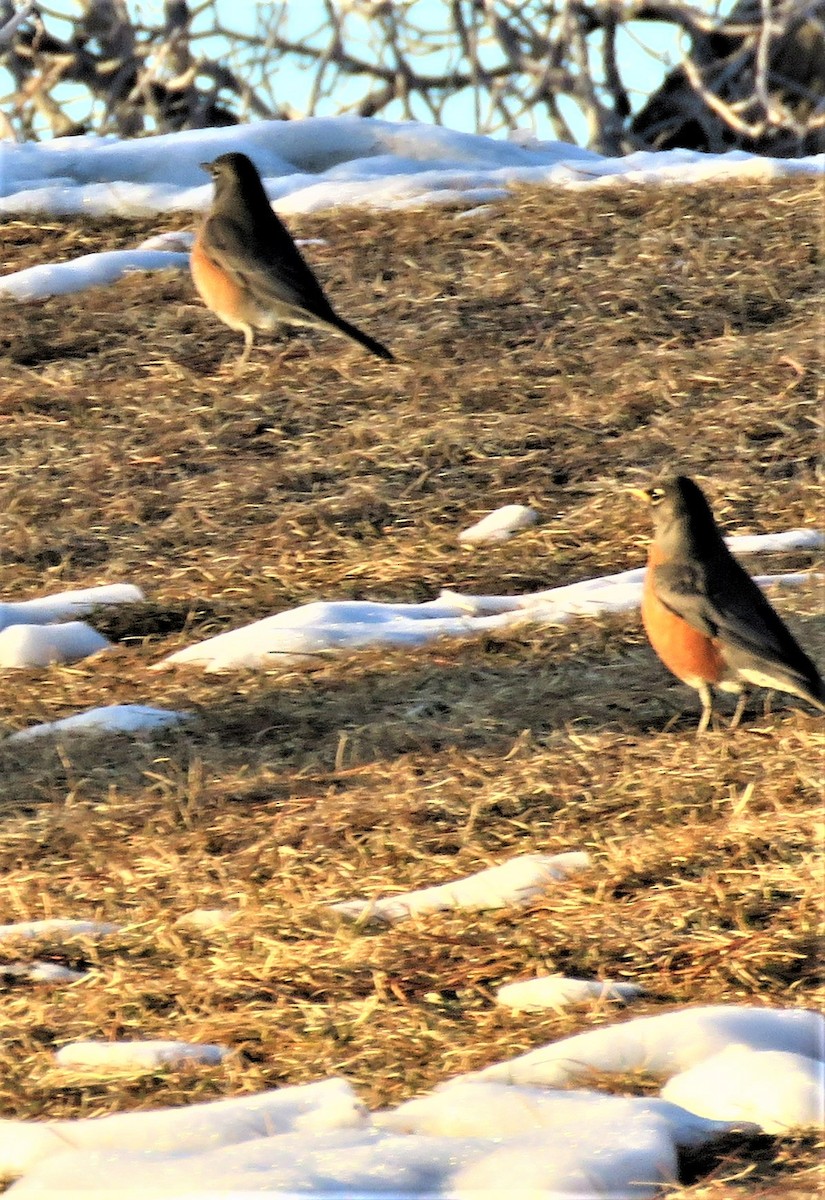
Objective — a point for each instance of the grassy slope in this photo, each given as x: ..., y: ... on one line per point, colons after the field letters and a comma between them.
x: 553, y: 349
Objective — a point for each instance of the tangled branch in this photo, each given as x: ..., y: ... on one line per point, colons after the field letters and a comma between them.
x: 755, y: 79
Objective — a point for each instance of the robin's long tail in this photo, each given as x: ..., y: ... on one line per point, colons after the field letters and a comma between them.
x: 816, y: 694
x: 364, y: 339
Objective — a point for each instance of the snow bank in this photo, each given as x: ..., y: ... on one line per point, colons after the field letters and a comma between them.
x: 495, y: 1141
x: 666, y: 1044
x: 775, y: 1089
x: 318, y: 163
x: 310, y: 1109
x: 462, y: 1108
x: 471, y: 1136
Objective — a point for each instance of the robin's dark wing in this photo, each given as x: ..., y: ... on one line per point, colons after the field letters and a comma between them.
x: 722, y: 601
x: 272, y: 270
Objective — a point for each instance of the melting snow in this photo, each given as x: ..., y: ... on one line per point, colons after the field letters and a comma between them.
x: 65, y: 606
x: 56, y: 927
x: 500, y: 525
x: 42, y: 645
x: 140, y: 1055
x: 464, y: 1138
x: 90, y: 270
x: 321, y: 163
x: 196, y: 1128
x: 776, y: 1089
x: 665, y: 1044
x: 31, y: 638
x: 558, y: 992
x: 516, y: 881
x: 111, y: 718
x: 601, y: 1147
x: 463, y: 1108
x: 301, y: 635
x: 41, y: 972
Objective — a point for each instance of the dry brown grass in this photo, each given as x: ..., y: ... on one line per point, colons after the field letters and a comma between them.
x: 555, y: 347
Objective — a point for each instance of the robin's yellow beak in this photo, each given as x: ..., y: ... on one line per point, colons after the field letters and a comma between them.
x: 208, y: 167
x: 640, y: 494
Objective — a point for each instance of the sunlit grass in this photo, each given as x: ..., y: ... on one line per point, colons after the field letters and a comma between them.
x: 551, y: 350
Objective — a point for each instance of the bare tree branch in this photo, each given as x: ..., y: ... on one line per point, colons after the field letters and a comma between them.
x: 8, y: 30
x: 754, y: 79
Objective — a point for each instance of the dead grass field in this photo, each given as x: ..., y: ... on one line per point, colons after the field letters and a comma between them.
x: 552, y: 350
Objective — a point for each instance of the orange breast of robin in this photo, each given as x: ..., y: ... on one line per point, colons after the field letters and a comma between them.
x: 218, y: 290
x: 692, y: 656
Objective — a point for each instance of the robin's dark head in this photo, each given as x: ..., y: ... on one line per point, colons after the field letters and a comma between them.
x: 679, y: 509
x: 236, y: 172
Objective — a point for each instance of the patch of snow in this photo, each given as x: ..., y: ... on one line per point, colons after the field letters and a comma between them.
x: 90, y: 270
x: 775, y: 1089
x: 500, y: 525
x: 24, y: 646
x: 309, y: 1109
x: 299, y: 636
x: 357, y: 1164
x: 635, y: 1163
x: 65, y: 606
x: 472, y: 1135
x: 544, y: 1145
x: 666, y: 1044
x: 163, y: 252
x: 516, y: 881
x: 31, y: 637
x: 111, y: 718
x: 767, y: 543
x: 141, y: 1055
x: 462, y: 1108
x: 176, y: 241
x: 56, y: 927
x: 41, y: 972
x: 344, y: 1163
x: 558, y: 992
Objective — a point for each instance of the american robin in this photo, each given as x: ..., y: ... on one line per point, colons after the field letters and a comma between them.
x: 707, y: 620
x: 247, y: 268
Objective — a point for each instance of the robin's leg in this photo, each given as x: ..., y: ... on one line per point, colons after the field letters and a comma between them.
x: 706, y: 696
x: 741, y: 704
x: 249, y: 341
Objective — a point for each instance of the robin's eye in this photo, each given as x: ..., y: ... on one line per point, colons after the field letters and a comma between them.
x: 656, y: 494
